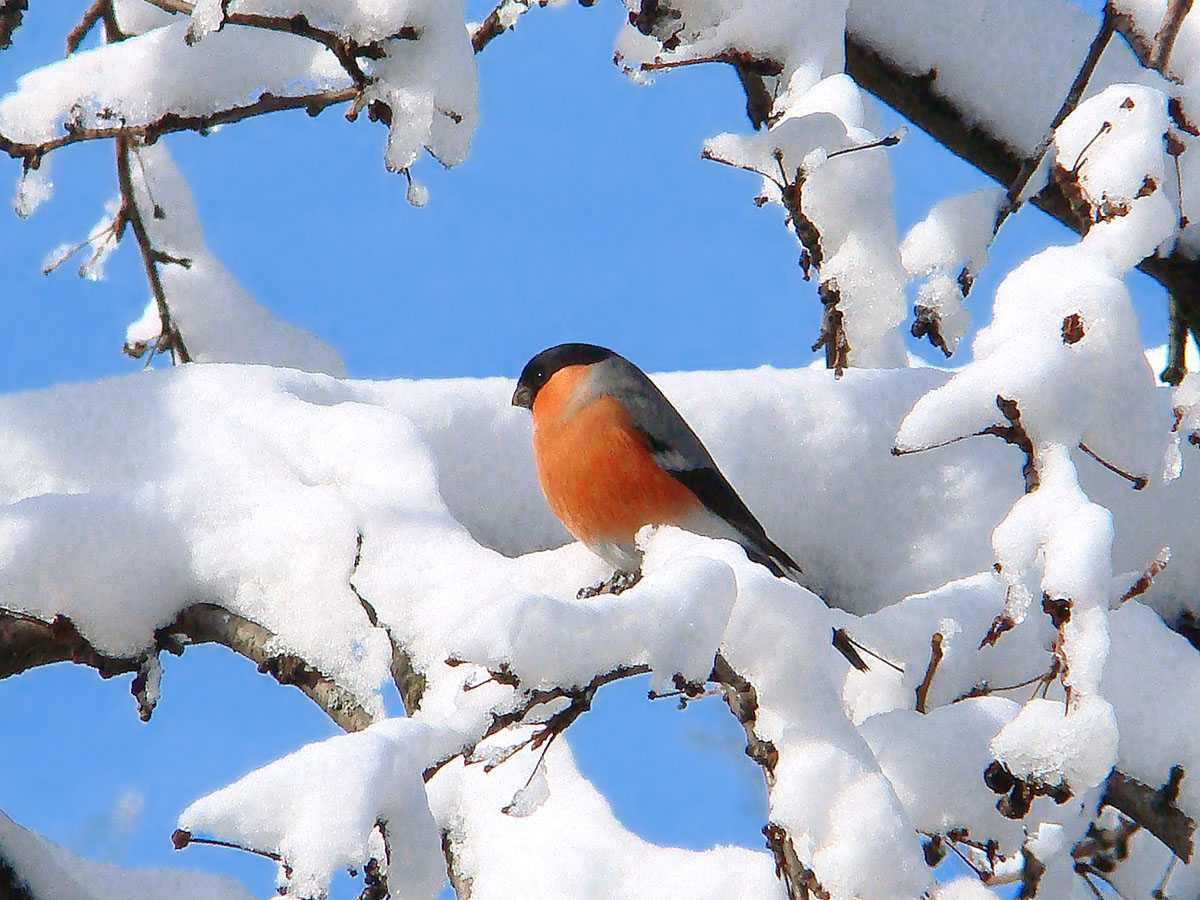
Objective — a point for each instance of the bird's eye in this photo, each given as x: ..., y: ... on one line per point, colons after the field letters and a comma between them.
x: 540, y: 375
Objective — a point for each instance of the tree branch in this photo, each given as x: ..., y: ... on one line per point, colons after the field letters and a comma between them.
x: 1029, y: 167
x: 27, y: 641
x: 1154, y: 809
x: 917, y: 98
x: 169, y: 338
x: 11, y: 13
x: 94, y: 14
x: 741, y: 697
x: 347, y: 51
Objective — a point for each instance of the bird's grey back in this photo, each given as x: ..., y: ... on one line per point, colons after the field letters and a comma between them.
x: 672, y: 442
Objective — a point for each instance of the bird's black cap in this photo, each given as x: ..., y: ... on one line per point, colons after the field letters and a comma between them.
x: 542, y: 367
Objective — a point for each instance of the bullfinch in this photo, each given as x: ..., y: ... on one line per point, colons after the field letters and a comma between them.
x: 614, y: 455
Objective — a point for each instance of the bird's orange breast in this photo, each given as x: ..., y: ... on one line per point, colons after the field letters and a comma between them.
x: 595, y: 468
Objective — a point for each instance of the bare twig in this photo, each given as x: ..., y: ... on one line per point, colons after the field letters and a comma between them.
x: 1016, y: 189
x: 1138, y: 481
x: 746, y: 62
x: 935, y: 658
x: 1177, y: 332
x: 181, y: 839
x: 94, y: 14
x: 579, y: 697
x: 169, y: 338
x: 1146, y: 580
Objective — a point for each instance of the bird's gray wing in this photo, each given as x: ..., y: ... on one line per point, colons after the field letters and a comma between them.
x: 680, y: 452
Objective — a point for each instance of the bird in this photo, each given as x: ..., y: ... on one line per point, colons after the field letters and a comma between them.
x: 614, y: 455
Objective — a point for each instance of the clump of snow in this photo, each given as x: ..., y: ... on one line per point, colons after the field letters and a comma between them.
x: 218, y: 320
x: 529, y: 857
x: 48, y: 870
x: 1048, y: 745
x: 136, y: 81
x: 1113, y: 150
x: 954, y: 236
x: 946, y: 250
x: 947, y: 748
x: 803, y: 38
x: 430, y: 85
x: 319, y: 807
x: 846, y: 201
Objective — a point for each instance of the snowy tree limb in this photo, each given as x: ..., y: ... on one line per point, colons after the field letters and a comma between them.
x: 742, y: 699
x: 916, y: 96
x: 1154, y: 809
x: 11, y: 13
x: 1154, y: 52
x: 348, y: 52
x: 27, y: 642
x: 1019, y: 185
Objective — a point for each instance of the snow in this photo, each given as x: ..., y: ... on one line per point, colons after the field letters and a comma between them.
x: 218, y: 320
x: 967, y: 46
x: 52, y: 871
x: 947, y: 748
x: 549, y: 854
x: 429, y: 83
x: 949, y: 244
x: 319, y: 807
x: 107, y: 86
x: 1113, y: 147
x: 848, y: 201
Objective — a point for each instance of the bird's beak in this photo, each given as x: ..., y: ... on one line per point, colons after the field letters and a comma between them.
x: 523, y: 396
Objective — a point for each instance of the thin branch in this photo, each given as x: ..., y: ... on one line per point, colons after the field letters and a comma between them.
x: 181, y: 838
x: 1146, y: 580
x: 1154, y: 809
x: 1164, y: 41
x: 171, y: 122
x: 27, y: 642
x: 348, y: 52
x: 935, y: 659
x: 169, y: 336
x: 94, y: 14
x: 743, y: 60
x: 1138, y: 481
x: 1177, y: 332
x: 1029, y: 168
x: 580, y: 702
x: 918, y: 97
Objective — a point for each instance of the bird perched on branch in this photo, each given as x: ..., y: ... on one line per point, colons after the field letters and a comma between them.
x: 614, y: 455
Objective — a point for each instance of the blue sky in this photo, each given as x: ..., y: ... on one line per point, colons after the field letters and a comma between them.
x: 583, y: 213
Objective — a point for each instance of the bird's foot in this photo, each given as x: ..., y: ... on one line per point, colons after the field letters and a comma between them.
x: 620, y: 581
